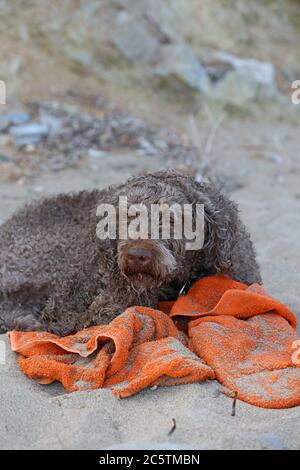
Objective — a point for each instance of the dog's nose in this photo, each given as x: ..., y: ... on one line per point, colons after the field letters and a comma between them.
x: 139, y: 257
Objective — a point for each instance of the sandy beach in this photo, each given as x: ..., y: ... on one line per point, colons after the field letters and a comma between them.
x: 34, y: 416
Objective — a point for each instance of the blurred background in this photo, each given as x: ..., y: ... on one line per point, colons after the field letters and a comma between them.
x: 98, y: 90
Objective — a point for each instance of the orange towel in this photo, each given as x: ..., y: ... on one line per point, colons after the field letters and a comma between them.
x: 235, y: 333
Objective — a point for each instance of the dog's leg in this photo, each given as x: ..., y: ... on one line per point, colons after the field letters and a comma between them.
x: 66, y: 309
x: 112, y: 302
x: 103, y: 309
x: 15, y: 316
x: 73, y: 306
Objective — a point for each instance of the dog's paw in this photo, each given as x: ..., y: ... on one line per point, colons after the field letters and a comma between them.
x: 28, y: 323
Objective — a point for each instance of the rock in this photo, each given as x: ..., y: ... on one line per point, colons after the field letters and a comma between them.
x: 71, y: 109
x: 82, y: 58
x: 38, y: 189
x: 17, y: 117
x: 29, y: 134
x: 28, y: 140
x: 30, y: 148
x: 166, y: 20
x: 260, y: 72
x: 244, y: 81
x: 236, y: 89
x: 131, y: 37
x: 97, y: 153
x: 274, y: 157
x: 32, y: 131
x: 180, y: 64
x: 290, y: 73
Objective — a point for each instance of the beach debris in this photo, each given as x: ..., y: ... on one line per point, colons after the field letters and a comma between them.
x: 68, y: 139
x: 97, y: 153
x: 274, y: 157
x: 29, y: 140
x: 174, y: 425
x: 29, y: 130
x: 29, y: 134
x: 233, y: 411
x: 17, y: 117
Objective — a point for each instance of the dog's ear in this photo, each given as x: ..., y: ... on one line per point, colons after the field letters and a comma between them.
x: 221, y: 225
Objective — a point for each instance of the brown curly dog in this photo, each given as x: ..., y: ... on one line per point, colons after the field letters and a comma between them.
x: 57, y: 275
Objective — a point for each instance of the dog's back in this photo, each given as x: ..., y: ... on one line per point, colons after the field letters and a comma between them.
x: 37, y: 240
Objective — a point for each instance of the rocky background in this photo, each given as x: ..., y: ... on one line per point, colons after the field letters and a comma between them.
x: 85, y: 77
x: 175, y: 53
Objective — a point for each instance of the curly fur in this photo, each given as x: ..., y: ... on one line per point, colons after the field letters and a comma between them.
x: 56, y: 275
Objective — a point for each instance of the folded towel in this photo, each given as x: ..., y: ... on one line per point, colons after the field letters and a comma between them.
x: 220, y: 329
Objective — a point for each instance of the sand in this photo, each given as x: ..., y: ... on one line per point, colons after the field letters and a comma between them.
x: 45, y: 417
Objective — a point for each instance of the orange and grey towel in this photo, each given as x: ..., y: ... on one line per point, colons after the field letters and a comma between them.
x: 233, y: 333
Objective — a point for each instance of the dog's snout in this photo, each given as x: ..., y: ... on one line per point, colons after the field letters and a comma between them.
x: 139, y: 256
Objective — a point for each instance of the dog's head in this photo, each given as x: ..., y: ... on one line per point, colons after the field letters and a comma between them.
x: 153, y: 256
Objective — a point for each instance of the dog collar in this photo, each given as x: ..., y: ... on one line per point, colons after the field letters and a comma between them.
x: 188, y: 284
